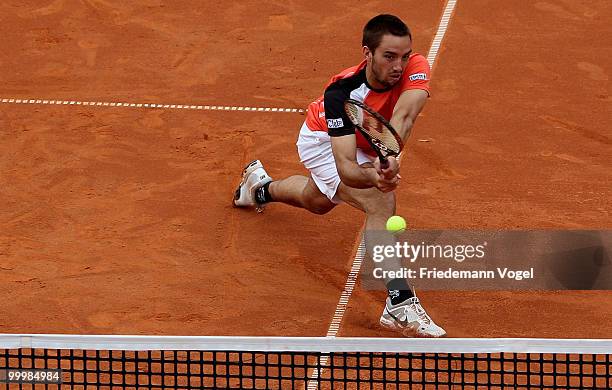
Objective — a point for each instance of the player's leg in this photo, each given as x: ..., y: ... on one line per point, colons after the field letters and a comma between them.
x: 314, y: 193
x: 403, y: 311
x: 257, y: 189
x: 300, y: 191
x: 378, y: 207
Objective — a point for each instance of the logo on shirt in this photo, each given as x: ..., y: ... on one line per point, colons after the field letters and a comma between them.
x: 334, y: 123
x: 417, y: 76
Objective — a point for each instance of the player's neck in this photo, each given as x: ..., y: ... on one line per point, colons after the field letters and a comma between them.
x: 372, y: 81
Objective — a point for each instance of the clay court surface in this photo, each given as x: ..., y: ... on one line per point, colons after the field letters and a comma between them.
x: 118, y: 220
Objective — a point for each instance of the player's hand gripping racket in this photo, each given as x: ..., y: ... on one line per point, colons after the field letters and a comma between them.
x: 376, y: 130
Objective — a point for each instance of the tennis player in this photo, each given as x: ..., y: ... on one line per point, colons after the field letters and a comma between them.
x: 394, y: 81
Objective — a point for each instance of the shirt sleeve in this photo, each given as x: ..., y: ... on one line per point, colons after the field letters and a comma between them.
x: 417, y: 74
x: 338, y: 123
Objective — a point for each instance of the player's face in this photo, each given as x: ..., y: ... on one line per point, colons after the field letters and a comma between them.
x: 389, y: 60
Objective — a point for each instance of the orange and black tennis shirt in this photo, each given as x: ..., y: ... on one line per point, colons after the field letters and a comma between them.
x: 327, y: 112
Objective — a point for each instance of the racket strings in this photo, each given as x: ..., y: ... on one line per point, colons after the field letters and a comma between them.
x: 354, y: 113
x: 374, y: 128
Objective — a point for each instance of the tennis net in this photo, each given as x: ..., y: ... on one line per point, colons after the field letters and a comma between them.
x: 168, y: 362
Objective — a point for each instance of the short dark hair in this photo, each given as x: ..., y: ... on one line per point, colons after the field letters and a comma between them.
x: 381, y: 25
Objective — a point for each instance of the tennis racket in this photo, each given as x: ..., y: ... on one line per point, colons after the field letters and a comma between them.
x: 381, y: 136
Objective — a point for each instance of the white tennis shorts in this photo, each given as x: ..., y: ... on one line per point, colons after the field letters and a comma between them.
x: 315, y: 151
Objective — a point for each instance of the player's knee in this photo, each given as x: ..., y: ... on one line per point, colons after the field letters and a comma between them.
x: 321, y: 208
x: 314, y: 200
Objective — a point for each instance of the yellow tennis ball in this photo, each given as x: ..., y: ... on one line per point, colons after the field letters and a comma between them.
x: 396, y: 224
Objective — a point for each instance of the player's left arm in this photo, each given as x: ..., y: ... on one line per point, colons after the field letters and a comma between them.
x: 406, y: 110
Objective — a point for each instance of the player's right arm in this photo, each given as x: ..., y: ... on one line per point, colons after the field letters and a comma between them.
x: 344, y: 146
x: 359, y: 176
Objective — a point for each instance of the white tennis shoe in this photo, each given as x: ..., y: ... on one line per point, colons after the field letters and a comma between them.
x: 410, y: 319
x: 254, y: 177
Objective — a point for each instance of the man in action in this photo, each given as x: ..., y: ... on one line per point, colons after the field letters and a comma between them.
x: 394, y: 82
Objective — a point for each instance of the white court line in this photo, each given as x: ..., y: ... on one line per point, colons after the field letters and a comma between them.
x: 442, y: 27
x: 148, y: 105
x: 334, y: 326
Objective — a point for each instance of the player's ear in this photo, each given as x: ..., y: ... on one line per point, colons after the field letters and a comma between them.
x: 366, y: 52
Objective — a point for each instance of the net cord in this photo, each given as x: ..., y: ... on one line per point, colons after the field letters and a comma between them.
x: 305, y: 344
